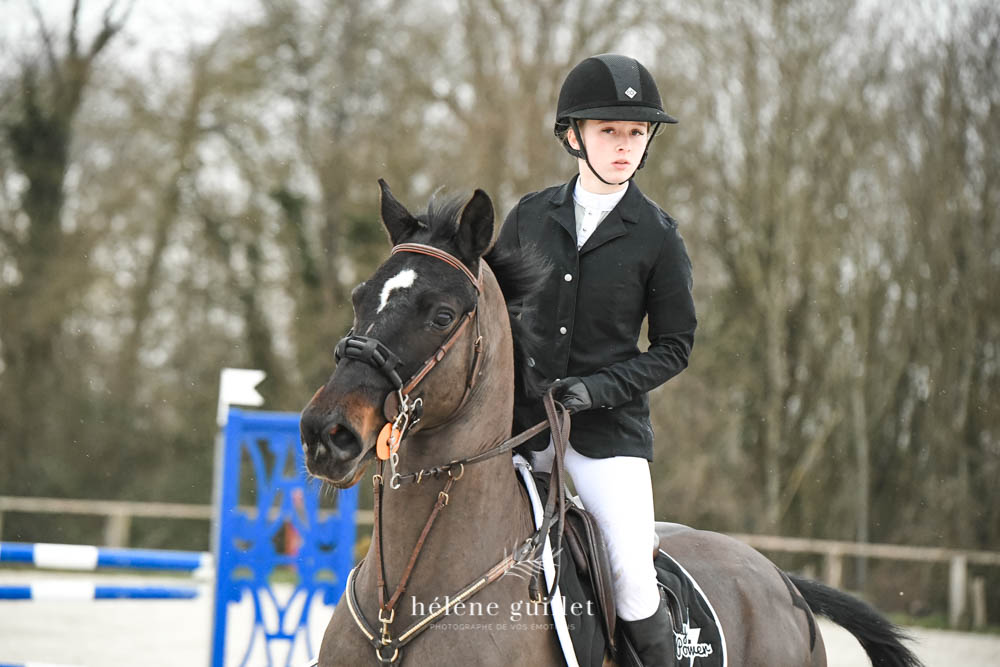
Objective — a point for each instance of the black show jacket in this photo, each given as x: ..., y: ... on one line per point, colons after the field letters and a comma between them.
x: 590, y: 309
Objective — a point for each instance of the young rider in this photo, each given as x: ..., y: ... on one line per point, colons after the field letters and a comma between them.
x: 615, y: 258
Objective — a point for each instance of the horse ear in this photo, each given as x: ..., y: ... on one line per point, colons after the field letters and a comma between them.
x: 475, y: 227
x: 397, y: 220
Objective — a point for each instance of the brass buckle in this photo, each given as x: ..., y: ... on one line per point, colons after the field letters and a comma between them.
x: 386, y: 638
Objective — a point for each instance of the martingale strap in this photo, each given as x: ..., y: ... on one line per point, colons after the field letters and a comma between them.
x: 387, y: 648
x: 439, y: 504
x: 459, y: 464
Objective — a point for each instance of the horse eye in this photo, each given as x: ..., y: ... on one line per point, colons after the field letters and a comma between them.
x: 443, y: 318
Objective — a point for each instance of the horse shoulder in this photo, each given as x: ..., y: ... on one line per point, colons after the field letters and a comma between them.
x: 343, y: 643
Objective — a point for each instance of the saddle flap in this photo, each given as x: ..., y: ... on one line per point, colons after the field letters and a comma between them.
x: 584, y: 582
x: 589, y: 553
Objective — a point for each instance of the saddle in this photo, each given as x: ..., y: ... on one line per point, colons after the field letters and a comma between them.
x: 585, y: 582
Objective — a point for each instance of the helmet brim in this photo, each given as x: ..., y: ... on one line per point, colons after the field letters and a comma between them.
x: 623, y: 112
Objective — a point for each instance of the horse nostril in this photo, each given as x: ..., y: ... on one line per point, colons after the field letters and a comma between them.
x: 326, y: 439
x: 343, y: 444
x: 323, y: 443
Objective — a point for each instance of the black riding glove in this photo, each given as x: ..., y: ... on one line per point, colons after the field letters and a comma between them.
x: 573, y: 394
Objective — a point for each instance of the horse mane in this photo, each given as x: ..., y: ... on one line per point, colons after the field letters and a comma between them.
x: 441, y: 218
x: 518, y: 271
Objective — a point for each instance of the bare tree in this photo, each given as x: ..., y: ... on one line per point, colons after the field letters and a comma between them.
x: 47, y: 256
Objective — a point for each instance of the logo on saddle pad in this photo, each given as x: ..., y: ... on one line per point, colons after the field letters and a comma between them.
x: 687, y: 646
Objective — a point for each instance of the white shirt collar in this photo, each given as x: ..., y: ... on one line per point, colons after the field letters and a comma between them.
x: 595, y: 202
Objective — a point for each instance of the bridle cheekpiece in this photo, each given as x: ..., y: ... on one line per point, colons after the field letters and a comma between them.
x: 400, y: 412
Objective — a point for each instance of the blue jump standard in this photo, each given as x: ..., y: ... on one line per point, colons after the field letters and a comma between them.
x: 96, y: 592
x: 82, y: 557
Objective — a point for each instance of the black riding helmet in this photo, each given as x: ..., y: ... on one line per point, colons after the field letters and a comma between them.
x: 608, y: 87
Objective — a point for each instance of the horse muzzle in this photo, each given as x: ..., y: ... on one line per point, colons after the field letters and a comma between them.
x: 338, y: 443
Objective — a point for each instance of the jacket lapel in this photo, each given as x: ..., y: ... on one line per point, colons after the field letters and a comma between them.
x: 610, y: 228
x: 617, y: 221
x: 563, y: 212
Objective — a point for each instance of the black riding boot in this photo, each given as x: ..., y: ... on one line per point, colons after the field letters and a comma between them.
x: 653, y: 638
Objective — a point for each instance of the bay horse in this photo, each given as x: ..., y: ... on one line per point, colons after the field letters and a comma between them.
x: 424, y: 383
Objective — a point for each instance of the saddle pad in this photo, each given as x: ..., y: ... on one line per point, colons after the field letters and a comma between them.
x: 698, y: 637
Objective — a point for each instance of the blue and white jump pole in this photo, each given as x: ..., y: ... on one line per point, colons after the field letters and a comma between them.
x: 70, y: 590
x: 84, y: 557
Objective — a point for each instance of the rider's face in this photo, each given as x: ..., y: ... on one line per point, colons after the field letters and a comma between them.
x: 615, y: 149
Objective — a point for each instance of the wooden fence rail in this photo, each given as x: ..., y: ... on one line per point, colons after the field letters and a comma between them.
x: 833, y: 552
x: 119, y: 513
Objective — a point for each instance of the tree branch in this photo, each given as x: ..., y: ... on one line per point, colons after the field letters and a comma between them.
x: 50, y: 51
x: 74, y: 25
x: 108, y: 28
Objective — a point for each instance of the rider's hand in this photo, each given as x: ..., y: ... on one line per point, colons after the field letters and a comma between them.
x: 572, y: 393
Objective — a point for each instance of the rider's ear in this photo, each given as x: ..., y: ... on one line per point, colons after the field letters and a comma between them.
x: 397, y: 220
x: 475, y: 227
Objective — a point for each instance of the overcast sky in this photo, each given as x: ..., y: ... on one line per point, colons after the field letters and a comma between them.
x: 152, y: 25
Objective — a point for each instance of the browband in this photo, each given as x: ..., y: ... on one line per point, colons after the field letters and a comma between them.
x: 431, y: 251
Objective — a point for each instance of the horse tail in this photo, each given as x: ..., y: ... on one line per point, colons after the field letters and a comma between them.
x: 881, y: 639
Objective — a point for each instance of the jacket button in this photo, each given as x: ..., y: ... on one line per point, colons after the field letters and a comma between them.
x: 568, y: 277
x: 562, y: 330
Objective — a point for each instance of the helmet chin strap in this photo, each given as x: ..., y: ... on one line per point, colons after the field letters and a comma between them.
x: 583, y: 152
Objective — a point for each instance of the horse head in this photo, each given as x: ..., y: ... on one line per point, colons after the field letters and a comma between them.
x: 430, y: 329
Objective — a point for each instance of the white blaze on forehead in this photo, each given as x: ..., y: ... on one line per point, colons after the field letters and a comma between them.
x: 402, y: 279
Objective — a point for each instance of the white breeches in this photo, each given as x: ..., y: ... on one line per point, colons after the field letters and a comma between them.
x: 618, y: 492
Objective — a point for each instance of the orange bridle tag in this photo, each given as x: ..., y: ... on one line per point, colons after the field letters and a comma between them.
x: 388, y: 442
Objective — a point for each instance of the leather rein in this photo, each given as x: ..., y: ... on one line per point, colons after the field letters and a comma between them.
x: 407, y: 413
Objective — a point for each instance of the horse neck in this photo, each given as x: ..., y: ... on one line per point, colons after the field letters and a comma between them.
x: 485, y: 518
x: 486, y: 510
